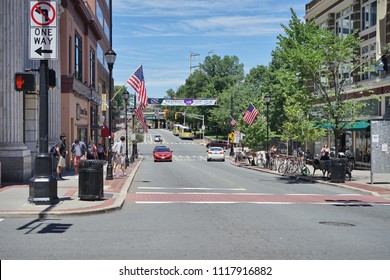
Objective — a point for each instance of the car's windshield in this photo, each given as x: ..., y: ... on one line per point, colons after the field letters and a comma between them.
x: 162, y: 149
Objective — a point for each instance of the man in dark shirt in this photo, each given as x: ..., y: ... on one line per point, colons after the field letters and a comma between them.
x: 61, y: 154
x: 326, y: 158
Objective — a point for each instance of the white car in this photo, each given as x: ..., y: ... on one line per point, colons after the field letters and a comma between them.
x: 215, y: 153
x: 158, y: 138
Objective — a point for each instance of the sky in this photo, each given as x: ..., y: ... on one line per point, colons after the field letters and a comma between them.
x: 161, y: 35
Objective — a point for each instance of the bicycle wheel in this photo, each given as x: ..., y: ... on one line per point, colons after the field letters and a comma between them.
x: 292, y: 168
x: 282, y: 167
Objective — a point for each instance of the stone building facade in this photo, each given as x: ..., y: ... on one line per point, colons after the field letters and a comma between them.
x: 75, y: 104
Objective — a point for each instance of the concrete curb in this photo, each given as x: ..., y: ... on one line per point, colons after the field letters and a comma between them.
x: 313, y: 180
x: 107, y: 205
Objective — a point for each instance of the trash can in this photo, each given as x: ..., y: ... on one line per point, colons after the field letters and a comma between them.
x: 91, y: 179
x: 337, y: 170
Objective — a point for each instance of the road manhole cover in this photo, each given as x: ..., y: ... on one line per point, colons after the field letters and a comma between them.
x: 337, y: 224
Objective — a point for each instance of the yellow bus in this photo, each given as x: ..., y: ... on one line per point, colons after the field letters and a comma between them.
x: 175, y: 130
x: 186, y: 132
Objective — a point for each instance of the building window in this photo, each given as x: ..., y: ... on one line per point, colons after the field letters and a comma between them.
x: 368, y: 14
x: 371, y: 107
x: 92, y: 68
x: 344, y: 22
x: 78, y: 58
x: 369, y: 67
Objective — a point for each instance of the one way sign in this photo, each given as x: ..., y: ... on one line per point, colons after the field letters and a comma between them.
x: 43, y: 30
x: 43, y: 43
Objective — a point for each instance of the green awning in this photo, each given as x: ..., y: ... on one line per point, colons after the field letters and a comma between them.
x: 359, y: 125
x: 349, y: 126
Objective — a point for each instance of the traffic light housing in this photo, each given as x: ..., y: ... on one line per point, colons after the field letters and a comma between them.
x: 24, y: 82
x: 176, y: 116
x: 231, y: 137
x: 165, y: 113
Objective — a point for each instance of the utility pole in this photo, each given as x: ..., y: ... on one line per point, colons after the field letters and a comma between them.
x: 191, y: 55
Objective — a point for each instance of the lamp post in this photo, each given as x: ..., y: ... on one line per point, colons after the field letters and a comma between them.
x: 126, y: 96
x: 267, y: 99
x: 110, y: 56
x: 134, y: 141
x: 232, y: 130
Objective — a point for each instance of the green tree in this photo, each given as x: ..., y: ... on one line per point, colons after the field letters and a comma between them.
x: 316, y: 65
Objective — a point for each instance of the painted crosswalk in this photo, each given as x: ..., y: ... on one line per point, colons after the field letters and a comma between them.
x: 342, y: 200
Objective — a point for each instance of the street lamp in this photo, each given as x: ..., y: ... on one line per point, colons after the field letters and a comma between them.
x: 134, y: 141
x: 126, y: 96
x: 110, y: 58
x: 267, y: 99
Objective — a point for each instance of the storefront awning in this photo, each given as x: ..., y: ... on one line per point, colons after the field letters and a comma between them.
x: 349, y: 126
x: 359, y: 125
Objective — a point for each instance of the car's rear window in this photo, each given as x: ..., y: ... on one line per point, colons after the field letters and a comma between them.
x: 216, y: 149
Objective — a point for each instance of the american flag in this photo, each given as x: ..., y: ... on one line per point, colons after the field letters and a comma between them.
x: 137, y: 82
x: 140, y: 116
x: 250, y: 114
x: 232, y: 121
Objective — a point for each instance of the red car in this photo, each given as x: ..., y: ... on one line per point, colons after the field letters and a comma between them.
x: 162, y: 153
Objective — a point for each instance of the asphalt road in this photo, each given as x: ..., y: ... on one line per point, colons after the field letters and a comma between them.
x: 194, y: 209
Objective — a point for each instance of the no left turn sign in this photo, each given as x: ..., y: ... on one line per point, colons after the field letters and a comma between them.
x: 43, y: 30
x: 43, y: 13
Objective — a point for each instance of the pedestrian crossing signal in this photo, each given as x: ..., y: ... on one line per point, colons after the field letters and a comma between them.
x: 24, y: 82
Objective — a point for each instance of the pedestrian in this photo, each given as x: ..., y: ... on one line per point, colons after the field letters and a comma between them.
x: 324, y: 150
x: 79, y: 150
x: 100, y: 151
x: 326, y: 158
x: 91, y: 151
x: 61, y: 155
x: 119, y: 156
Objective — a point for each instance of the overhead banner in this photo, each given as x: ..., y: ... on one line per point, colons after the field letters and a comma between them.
x: 190, y: 102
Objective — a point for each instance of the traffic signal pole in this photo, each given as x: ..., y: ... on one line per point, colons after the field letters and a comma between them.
x: 43, y: 187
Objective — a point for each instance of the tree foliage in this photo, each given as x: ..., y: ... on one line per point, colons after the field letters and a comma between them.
x: 306, y: 80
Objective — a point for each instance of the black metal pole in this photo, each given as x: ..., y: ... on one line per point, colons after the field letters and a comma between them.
x: 134, y: 147
x: 267, y: 153
x: 127, y: 138
x: 43, y: 187
x: 109, y: 175
x: 231, y: 130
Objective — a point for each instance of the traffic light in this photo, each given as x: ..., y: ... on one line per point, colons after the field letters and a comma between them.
x: 24, y: 82
x: 165, y: 113
x: 231, y: 137
x: 52, y: 78
x: 176, y: 116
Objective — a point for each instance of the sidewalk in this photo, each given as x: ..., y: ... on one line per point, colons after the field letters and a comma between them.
x: 361, y: 180
x: 14, y: 197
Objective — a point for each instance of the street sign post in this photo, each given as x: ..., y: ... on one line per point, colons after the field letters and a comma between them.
x: 43, y: 46
x: 43, y: 30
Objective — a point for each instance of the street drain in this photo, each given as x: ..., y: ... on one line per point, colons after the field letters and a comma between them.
x: 337, y: 224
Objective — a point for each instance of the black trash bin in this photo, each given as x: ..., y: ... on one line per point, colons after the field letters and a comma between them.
x: 337, y: 170
x: 91, y: 179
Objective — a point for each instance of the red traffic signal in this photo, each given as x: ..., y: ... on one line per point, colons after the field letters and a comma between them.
x: 24, y: 82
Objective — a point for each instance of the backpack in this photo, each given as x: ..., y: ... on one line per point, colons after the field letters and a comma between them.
x: 53, y: 150
x: 90, y: 150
